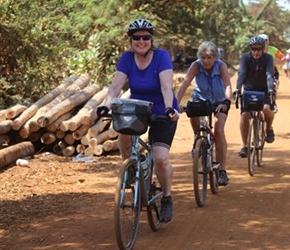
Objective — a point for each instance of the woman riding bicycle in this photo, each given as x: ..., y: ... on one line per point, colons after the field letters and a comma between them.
x: 212, y: 82
x: 149, y: 72
x: 256, y: 73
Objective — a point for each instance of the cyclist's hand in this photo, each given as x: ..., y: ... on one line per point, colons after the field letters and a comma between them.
x: 236, y: 93
x: 181, y: 108
x: 172, y: 113
x: 100, y: 111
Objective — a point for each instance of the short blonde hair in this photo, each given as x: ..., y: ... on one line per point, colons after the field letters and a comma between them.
x: 208, y: 48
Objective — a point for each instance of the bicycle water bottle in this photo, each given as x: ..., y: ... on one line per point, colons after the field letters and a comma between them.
x: 144, y: 166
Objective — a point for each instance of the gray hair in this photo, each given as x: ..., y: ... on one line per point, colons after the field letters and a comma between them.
x: 208, y: 48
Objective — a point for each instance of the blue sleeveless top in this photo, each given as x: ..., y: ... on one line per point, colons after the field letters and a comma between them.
x: 145, y: 84
x: 210, y: 87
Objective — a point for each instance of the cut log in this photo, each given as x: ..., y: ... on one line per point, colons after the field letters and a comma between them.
x: 59, y: 134
x: 89, y: 151
x: 2, y: 115
x: 76, y: 121
x: 97, y: 99
x: 5, y: 126
x: 14, y: 111
x: 55, y: 125
x: 12, y: 153
x: 78, y: 134
x: 110, y: 145
x: 67, y: 105
x: 98, y: 150
x: 101, y: 124
x: 80, y: 148
x: 68, y: 138
x: 69, y: 150
x: 85, y: 139
x: 48, y: 138
x: 31, y: 111
x: 102, y: 137
x: 59, y: 147
x: 74, y: 88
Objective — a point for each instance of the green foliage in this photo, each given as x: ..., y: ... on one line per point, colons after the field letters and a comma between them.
x: 44, y: 41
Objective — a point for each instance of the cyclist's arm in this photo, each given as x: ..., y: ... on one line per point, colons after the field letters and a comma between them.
x: 270, y: 73
x: 191, y: 73
x: 226, y: 80
x: 115, y: 88
x: 242, y: 73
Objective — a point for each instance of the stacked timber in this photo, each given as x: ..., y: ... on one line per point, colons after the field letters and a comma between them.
x: 60, y: 122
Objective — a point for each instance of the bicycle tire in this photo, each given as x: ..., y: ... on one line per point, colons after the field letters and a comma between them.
x: 251, y: 148
x: 200, y: 172
x: 127, y: 214
x: 153, y: 209
x: 214, y: 172
x: 261, y: 138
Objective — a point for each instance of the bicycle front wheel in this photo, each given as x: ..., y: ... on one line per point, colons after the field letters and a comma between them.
x: 261, y: 139
x: 200, y: 172
x: 154, y: 207
x: 127, y: 206
x: 251, y: 147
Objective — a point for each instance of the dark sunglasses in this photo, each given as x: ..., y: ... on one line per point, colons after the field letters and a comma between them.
x: 257, y: 49
x: 144, y: 37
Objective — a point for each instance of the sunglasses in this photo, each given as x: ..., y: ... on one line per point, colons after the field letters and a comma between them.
x: 257, y: 49
x: 144, y: 37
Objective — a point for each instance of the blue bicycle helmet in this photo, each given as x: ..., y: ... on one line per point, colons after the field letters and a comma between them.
x: 257, y: 40
x: 140, y: 24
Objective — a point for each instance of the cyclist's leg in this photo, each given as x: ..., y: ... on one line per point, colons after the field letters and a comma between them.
x: 269, y: 118
x: 161, y: 135
x: 124, y: 145
x: 194, y: 122
x: 221, y: 145
x: 244, y: 128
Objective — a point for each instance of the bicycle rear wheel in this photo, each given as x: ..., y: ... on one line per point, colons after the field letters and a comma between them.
x: 200, y: 172
x: 153, y: 209
x: 251, y: 147
x: 214, y: 172
x: 127, y: 206
x: 261, y: 139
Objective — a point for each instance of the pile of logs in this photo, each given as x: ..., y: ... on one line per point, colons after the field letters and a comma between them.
x: 59, y: 122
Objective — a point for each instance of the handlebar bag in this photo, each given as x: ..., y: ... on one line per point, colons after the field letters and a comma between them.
x: 130, y: 116
x: 253, y: 100
x: 197, y: 108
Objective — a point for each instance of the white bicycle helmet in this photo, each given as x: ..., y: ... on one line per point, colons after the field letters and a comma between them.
x: 257, y: 40
x: 264, y: 36
x: 140, y: 24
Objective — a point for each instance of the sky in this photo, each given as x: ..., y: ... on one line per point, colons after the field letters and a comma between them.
x: 282, y: 3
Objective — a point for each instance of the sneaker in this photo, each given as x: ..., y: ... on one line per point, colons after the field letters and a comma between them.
x: 244, y: 152
x: 223, y: 178
x: 166, y: 209
x: 270, y: 135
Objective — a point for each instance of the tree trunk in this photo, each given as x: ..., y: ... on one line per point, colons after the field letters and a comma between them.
x: 110, y: 145
x: 78, y: 134
x: 67, y: 105
x: 97, y: 99
x: 5, y: 126
x: 11, y: 154
x: 14, y: 111
x: 31, y: 111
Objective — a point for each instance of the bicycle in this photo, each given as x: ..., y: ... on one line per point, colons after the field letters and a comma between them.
x: 257, y: 126
x: 134, y: 192
x: 205, y: 163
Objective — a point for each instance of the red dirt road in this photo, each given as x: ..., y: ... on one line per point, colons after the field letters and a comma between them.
x: 59, y: 204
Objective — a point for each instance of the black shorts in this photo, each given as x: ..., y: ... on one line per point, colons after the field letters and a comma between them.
x: 161, y: 133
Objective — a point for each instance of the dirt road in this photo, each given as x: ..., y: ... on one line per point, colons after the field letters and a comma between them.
x: 58, y: 204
